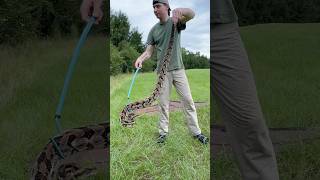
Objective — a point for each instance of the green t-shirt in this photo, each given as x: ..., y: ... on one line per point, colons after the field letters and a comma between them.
x: 159, y: 36
x: 223, y: 11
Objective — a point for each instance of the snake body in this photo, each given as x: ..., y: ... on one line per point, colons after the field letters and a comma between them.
x: 128, y: 114
x: 49, y: 164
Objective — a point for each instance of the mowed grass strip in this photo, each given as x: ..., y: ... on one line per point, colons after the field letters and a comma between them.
x: 134, y: 151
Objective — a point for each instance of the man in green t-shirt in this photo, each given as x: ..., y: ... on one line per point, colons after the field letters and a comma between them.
x: 235, y: 91
x: 158, y: 40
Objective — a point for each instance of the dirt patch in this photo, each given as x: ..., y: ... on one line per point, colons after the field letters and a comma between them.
x: 174, y: 106
x: 279, y: 137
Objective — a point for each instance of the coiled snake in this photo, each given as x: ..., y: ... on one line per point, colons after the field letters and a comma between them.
x: 49, y: 165
x: 127, y: 115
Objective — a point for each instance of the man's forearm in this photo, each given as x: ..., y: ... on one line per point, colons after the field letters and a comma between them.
x: 187, y: 14
x: 146, y: 54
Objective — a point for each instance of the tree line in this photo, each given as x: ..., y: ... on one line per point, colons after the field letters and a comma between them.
x: 277, y: 11
x: 21, y: 20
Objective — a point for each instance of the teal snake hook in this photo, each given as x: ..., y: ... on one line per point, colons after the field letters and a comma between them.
x: 132, y: 82
x: 71, y: 67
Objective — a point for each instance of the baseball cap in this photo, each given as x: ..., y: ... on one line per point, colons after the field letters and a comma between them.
x: 161, y: 1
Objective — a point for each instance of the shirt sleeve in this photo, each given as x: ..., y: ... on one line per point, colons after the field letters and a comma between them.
x: 150, y: 39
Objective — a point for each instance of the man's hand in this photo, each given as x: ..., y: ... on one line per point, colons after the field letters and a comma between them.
x: 91, y: 8
x: 176, y: 15
x: 138, y: 63
x: 144, y: 56
x: 182, y: 15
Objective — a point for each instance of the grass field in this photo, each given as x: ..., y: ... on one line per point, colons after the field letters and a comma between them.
x: 285, y: 61
x: 31, y: 78
x: 134, y: 151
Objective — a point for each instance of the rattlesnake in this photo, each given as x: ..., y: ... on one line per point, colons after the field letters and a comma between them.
x: 127, y: 115
x: 49, y: 165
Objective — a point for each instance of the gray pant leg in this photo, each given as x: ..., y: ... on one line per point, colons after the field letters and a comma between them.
x: 180, y: 81
x: 234, y: 87
x: 164, y: 102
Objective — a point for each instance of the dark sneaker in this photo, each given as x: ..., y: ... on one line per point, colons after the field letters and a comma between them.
x: 161, y: 138
x: 202, y: 138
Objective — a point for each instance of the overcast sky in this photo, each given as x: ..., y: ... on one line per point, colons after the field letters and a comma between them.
x: 195, y: 38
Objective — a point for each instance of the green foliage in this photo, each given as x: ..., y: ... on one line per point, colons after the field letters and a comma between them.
x: 120, y: 27
x: 277, y: 11
x: 135, y: 39
x: 194, y: 60
x: 21, y: 20
x: 149, y: 65
x: 116, y: 60
x: 128, y: 44
x: 129, y: 55
x: 17, y: 20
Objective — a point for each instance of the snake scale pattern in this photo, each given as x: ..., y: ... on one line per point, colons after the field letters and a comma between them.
x: 70, y: 142
x: 128, y: 114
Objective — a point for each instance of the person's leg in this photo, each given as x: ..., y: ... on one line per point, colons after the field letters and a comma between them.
x: 164, y: 99
x: 234, y: 87
x: 180, y: 81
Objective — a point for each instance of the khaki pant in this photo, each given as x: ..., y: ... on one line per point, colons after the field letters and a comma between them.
x: 179, y: 79
x: 235, y: 92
